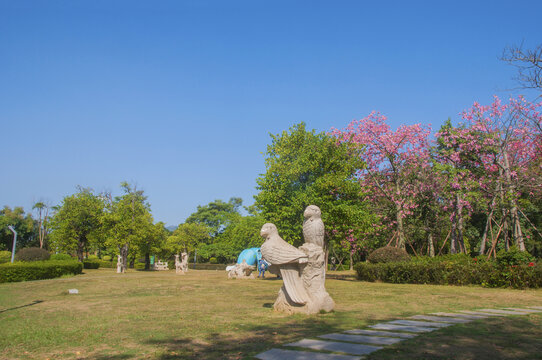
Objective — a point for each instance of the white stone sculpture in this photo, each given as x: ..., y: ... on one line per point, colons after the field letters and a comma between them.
x: 302, y: 270
x: 184, y: 262
x: 241, y: 271
x: 120, y: 267
x: 160, y: 265
x: 177, y: 265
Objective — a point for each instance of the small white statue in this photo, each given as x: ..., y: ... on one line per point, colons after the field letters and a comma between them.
x: 184, y: 262
x: 120, y: 267
x: 241, y: 271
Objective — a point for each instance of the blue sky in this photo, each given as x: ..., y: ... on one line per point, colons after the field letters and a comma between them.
x: 179, y: 97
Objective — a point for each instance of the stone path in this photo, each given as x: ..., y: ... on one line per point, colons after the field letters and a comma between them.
x: 352, y: 344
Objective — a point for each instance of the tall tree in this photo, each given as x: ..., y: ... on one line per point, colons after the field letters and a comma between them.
x: 127, y: 220
x: 216, y: 215
x: 77, y: 221
x: 305, y: 168
x: 528, y: 62
x: 187, y: 237
x: 43, y: 218
x: 23, y: 224
x: 393, y: 159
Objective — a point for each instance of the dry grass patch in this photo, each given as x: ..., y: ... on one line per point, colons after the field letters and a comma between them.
x: 201, y: 315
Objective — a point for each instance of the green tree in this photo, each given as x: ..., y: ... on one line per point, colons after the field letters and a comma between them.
x: 216, y: 215
x: 77, y: 222
x: 127, y: 220
x: 242, y: 233
x: 187, y: 237
x: 43, y: 220
x: 23, y: 224
x: 304, y: 168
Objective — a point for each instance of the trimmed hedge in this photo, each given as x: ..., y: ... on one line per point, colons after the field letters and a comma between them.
x: 388, y: 254
x: 32, y: 254
x: 91, y: 264
x: 484, y: 273
x: 61, y: 257
x: 5, y: 256
x: 38, y: 270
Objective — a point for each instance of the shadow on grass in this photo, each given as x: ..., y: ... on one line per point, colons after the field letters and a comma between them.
x: 230, y: 346
x: 35, y: 302
x: 489, y: 339
x: 112, y: 357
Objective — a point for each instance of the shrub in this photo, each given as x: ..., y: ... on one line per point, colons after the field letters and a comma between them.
x: 388, y: 254
x: 5, y: 256
x: 92, y: 257
x: 61, y: 257
x: 106, y: 258
x: 38, y: 270
x: 213, y: 260
x: 106, y: 264
x: 91, y: 264
x: 32, y: 254
x: 485, y: 273
x: 514, y: 257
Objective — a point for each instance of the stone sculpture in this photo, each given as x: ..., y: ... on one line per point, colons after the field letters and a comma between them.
x: 241, y: 271
x: 177, y: 265
x: 302, y: 270
x: 120, y: 267
x: 184, y: 262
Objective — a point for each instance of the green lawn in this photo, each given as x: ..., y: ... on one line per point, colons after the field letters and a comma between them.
x: 203, y: 315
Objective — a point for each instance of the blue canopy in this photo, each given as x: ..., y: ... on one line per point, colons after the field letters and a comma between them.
x: 251, y: 256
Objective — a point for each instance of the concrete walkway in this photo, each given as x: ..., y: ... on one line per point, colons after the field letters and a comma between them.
x: 353, y: 344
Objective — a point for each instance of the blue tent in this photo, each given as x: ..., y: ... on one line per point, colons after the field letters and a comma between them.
x: 251, y: 256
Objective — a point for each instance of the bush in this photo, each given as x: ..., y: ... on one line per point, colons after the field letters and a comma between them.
x: 61, y: 257
x: 514, y: 257
x: 5, y: 256
x: 106, y: 264
x: 91, y: 264
x: 213, y: 260
x: 38, y: 270
x: 32, y: 254
x: 92, y: 257
x: 485, y: 273
x: 106, y: 258
x: 388, y: 254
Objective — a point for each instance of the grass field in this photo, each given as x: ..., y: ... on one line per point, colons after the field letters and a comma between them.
x: 203, y: 315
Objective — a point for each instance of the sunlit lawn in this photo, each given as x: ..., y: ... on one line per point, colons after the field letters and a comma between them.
x: 203, y: 315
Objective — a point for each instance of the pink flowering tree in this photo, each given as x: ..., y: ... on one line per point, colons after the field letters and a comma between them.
x: 494, y: 151
x: 393, y: 160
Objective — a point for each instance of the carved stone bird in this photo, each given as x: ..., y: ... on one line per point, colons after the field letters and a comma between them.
x: 287, y: 258
x: 313, y: 226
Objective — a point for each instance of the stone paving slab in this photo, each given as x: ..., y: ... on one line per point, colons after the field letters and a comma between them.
x: 535, y: 307
x: 470, y: 316
x: 382, y: 333
x: 348, y: 348
x: 414, y: 329
x: 478, y: 313
x: 374, y: 340
x: 443, y: 319
x: 279, y: 354
x: 524, y: 310
x: 419, y: 323
x: 504, y: 312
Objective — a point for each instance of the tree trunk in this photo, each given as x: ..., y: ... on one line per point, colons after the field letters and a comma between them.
x: 430, y: 245
x: 124, y: 254
x: 453, y: 239
x: 516, y: 225
x: 81, y: 247
x: 351, y: 261
x: 400, y: 229
x: 488, y: 222
x: 147, y: 261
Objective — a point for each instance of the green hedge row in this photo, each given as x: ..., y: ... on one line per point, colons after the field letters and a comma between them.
x: 38, y: 270
x: 485, y: 273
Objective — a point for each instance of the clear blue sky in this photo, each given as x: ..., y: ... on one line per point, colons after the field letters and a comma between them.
x: 179, y: 97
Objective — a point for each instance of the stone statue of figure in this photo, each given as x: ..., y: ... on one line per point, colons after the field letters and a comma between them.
x: 241, y: 271
x: 184, y: 262
x: 302, y: 270
x: 120, y: 267
x: 177, y: 265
